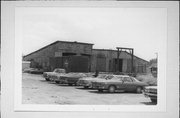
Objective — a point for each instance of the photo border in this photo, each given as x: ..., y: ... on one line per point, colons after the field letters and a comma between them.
x: 163, y: 60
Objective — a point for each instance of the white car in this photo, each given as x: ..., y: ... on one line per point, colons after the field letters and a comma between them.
x: 48, y: 75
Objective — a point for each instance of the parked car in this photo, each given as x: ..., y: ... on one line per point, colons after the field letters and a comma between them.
x: 119, y: 82
x: 28, y: 70
x: 33, y: 71
x: 86, y: 82
x: 151, y: 92
x: 48, y: 75
x: 57, y: 77
x: 71, y: 78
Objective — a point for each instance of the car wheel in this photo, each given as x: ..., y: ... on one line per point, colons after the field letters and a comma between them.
x: 57, y: 82
x: 47, y: 79
x: 112, y: 89
x: 154, y: 100
x: 138, y: 90
x: 85, y: 87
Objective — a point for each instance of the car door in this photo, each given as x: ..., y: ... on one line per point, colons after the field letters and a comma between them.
x: 128, y: 84
x: 119, y: 83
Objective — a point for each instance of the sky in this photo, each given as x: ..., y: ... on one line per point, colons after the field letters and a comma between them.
x: 143, y: 29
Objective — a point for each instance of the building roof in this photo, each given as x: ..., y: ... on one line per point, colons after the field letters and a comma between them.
x: 122, y: 51
x: 79, y: 43
x: 56, y: 43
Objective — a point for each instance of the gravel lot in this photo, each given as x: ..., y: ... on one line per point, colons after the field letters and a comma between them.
x: 36, y: 90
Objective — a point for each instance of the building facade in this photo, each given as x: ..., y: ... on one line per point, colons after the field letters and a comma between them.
x: 106, y: 60
x: 81, y: 57
x: 73, y: 56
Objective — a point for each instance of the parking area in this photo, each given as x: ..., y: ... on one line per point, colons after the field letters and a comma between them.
x: 36, y: 90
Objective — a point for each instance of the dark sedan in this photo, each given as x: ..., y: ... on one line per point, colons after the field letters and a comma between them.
x: 71, y: 78
x: 119, y: 82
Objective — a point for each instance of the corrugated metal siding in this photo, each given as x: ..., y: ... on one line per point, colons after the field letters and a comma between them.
x: 101, y: 64
x: 71, y: 63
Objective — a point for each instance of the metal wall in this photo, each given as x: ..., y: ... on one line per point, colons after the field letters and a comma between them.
x: 46, y: 56
x: 71, y: 63
x: 109, y: 63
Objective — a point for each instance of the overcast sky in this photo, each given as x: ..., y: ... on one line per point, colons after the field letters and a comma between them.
x: 107, y: 28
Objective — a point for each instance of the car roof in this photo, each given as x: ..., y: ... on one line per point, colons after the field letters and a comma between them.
x: 121, y: 75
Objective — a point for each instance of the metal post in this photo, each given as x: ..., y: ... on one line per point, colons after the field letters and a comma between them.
x: 132, y: 57
x: 117, y: 61
x: 132, y: 61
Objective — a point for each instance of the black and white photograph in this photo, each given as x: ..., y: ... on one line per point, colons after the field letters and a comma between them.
x: 90, y: 57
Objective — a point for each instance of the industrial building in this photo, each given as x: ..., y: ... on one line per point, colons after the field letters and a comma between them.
x: 81, y: 57
x: 106, y: 61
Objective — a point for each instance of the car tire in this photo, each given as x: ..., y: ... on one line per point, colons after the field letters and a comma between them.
x: 47, y: 79
x: 111, y: 89
x: 57, y: 82
x: 138, y: 90
x: 154, y: 100
x: 86, y: 87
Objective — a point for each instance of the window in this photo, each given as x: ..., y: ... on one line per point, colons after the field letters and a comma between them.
x: 109, y: 77
x: 127, y: 79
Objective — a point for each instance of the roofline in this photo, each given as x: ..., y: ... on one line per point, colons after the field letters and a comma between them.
x: 122, y: 51
x: 55, y: 43
x: 138, y: 57
x: 78, y: 43
x: 105, y: 49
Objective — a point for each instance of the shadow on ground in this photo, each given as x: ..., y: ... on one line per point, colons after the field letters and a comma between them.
x: 149, y: 103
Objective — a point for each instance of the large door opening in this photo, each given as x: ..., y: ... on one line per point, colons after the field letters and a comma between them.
x: 71, y: 63
x: 118, y: 67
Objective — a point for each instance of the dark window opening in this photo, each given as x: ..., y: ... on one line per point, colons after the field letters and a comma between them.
x: 68, y: 54
x: 118, y: 67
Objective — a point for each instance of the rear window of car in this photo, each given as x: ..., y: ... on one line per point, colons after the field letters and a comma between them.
x: 127, y: 79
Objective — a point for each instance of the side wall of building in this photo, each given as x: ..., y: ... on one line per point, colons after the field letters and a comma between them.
x: 42, y: 57
x: 99, y: 59
x: 110, y: 60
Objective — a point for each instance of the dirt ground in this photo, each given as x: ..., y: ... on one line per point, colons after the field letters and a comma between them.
x: 36, y: 90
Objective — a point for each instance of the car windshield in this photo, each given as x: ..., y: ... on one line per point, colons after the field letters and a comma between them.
x: 134, y: 79
x: 102, y: 76
x: 59, y: 70
x: 109, y: 77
